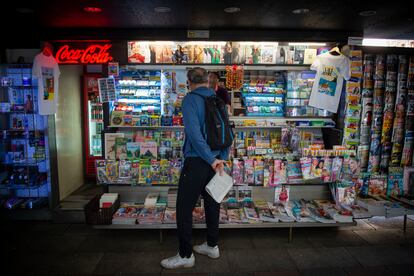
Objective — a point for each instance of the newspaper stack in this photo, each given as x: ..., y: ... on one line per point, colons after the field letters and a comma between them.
x: 170, y: 216
x: 172, y: 197
x: 151, y: 200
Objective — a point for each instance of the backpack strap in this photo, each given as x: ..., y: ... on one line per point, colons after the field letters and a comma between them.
x: 194, y: 93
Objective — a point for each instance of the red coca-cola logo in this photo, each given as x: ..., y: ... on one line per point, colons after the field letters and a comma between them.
x: 95, y: 53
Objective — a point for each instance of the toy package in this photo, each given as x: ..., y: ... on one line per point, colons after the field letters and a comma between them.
x: 124, y: 170
x: 305, y: 163
x: 155, y: 172
x: 144, y: 172
x: 112, y: 170
x: 258, y: 172
x: 135, y: 171
x: 101, y: 176
x: 249, y: 172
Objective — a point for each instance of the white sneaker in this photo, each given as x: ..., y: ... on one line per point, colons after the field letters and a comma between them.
x: 204, y: 249
x: 178, y: 262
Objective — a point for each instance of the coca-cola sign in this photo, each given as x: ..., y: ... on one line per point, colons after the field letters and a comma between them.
x: 95, y: 53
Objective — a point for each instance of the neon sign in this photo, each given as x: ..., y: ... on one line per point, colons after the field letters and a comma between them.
x: 96, y: 53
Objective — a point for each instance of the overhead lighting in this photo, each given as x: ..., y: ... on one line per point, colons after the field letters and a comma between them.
x: 232, y: 9
x: 162, y: 9
x: 388, y: 42
x: 367, y: 13
x: 25, y: 10
x: 300, y: 11
x: 92, y: 9
x: 306, y: 44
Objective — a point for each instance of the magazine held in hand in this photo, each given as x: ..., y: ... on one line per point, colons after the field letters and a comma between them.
x: 219, y: 186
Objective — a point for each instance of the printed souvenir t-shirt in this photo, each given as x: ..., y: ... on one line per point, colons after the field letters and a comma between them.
x: 330, y: 74
x: 46, y: 71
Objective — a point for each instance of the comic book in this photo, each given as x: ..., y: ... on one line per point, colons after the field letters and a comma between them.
x: 112, y: 170
x: 120, y: 148
x: 144, y: 172
x: 132, y: 150
x: 135, y: 171
x: 148, y: 150
x: 155, y: 172
x: 124, y: 170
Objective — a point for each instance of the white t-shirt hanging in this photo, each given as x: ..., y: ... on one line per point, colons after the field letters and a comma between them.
x: 330, y: 74
x: 46, y: 71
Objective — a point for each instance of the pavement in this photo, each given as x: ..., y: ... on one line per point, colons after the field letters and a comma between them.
x: 374, y: 246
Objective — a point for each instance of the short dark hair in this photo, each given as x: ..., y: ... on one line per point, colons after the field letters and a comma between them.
x: 197, y: 75
x: 215, y: 73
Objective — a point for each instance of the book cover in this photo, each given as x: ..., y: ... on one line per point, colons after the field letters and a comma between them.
x: 121, y: 148
x: 124, y: 170
x: 117, y: 118
x: 132, y: 150
x: 112, y: 170
x: 148, y: 150
x: 155, y: 172
x: 110, y: 148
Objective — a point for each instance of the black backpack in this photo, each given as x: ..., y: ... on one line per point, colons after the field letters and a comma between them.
x: 219, y: 131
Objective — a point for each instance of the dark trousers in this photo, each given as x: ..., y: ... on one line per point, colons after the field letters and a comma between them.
x: 195, y: 175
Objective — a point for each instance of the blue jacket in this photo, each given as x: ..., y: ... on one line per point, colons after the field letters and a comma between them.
x: 195, y: 144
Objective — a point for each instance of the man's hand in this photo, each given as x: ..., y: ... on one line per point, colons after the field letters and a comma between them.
x: 218, y: 166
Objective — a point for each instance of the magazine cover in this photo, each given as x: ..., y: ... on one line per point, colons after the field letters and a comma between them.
x: 305, y: 163
x: 336, y: 168
x: 276, y: 172
x: 121, y: 148
x: 135, y: 171
x: 294, y: 171
x: 238, y: 172
x: 245, y: 194
x: 377, y: 185
x: 155, y: 172
x: 282, y: 194
x: 249, y: 171
x: 317, y: 166
x: 327, y: 169
x: 110, y: 144
x: 266, y: 172
x: 144, y: 172
x: 395, y: 186
x: 258, y: 172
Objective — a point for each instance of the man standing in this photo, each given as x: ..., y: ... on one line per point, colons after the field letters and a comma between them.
x: 200, y: 165
x: 221, y: 92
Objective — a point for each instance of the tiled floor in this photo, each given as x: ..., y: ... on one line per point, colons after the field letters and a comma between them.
x: 373, y: 247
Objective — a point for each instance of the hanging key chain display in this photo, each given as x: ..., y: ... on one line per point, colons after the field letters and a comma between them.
x: 367, y: 106
x: 388, y: 117
x: 376, y: 126
x: 407, y: 154
x: 399, y: 109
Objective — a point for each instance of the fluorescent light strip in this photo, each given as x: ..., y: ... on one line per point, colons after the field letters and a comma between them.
x: 306, y: 44
x: 388, y: 42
